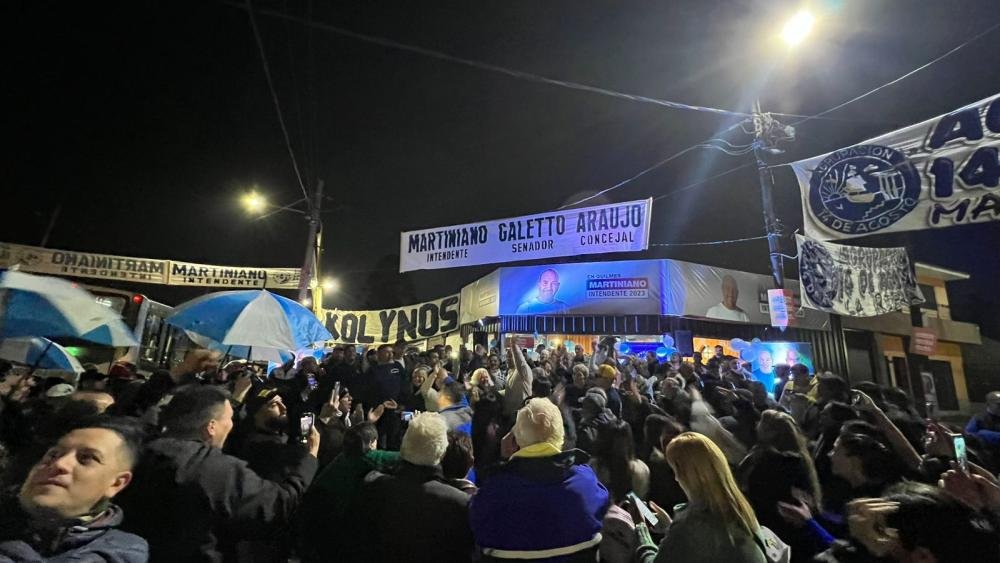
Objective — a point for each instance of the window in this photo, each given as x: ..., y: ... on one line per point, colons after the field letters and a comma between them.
x: 930, y: 299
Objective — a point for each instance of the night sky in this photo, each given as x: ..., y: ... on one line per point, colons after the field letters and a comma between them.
x: 146, y: 120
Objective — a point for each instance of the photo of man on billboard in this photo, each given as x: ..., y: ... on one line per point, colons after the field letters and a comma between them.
x: 728, y: 309
x: 544, y: 302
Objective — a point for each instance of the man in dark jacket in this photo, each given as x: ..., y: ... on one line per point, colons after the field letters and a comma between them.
x: 264, y: 443
x: 415, y: 515
x: 194, y: 503
x: 388, y: 382
x: 593, y: 415
x: 64, y: 510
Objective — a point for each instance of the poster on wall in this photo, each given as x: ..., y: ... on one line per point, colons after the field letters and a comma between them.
x: 398, y: 324
x: 938, y: 173
x: 697, y: 290
x: 616, y: 227
x: 603, y: 288
x: 765, y: 356
x: 856, y: 281
x: 645, y: 287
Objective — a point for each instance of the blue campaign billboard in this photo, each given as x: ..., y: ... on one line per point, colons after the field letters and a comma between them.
x: 640, y: 287
x: 608, y: 288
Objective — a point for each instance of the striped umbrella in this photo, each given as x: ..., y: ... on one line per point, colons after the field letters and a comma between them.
x: 55, y: 308
x: 250, y: 318
x: 39, y: 353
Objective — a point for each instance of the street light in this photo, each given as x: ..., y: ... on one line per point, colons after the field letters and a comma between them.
x: 256, y: 204
x: 331, y: 285
x: 797, y: 28
x: 253, y: 202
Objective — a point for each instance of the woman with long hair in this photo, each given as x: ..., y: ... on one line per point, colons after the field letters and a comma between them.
x: 615, y: 463
x: 781, y: 450
x: 778, y: 431
x: 718, y: 524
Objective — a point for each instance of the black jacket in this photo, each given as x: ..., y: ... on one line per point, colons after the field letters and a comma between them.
x: 94, y: 541
x: 194, y: 503
x: 413, y: 515
x: 270, y: 454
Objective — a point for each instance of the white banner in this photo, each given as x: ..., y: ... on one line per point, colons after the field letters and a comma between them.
x: 236, y: 277
x: 70, y: 263
x: 855, y: 281
x: 388, y: 326
x: 618, y: 227
x: 939, y: 173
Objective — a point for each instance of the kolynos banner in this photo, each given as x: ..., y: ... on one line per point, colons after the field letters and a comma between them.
x: 938, y: 173
x: 618, y: 227
x: 407, y: 323
x: 856, y: 281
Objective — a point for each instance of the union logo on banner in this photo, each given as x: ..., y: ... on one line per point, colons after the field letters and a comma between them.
x: 938, y: 173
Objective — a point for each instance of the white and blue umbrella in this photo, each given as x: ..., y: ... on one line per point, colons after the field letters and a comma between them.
x: 55, y: 308
x: 40, y: 353
x: 255, y: 318
x: 239, y: 351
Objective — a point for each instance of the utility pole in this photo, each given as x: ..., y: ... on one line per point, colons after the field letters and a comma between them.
x: 761, y: 127
x: 767, y: 133
x: 310, y: 266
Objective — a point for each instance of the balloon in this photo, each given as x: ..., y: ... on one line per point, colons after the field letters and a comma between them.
x: 622, y: 347
x: 662, y: 352
x: 671, y: 351
x: 668, y: 340
x: 746, y: 354
x: 739, y: 344
x: 755, y: 341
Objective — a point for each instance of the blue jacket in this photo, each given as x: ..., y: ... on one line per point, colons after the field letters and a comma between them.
x: 96, y: 541
x: 546, y: 504
x: 985, y: 427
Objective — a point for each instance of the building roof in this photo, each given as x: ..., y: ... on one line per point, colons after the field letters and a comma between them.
x: 940, y: 273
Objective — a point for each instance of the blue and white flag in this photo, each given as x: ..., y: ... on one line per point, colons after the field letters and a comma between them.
x: 939, y: 173
x: 855, y: 281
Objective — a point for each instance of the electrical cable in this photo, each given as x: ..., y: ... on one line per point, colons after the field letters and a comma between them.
x: 709, y: 242
x: 277, y: 104
x: 392, y: 44
x: 907, y: 75
x: 646, y: 171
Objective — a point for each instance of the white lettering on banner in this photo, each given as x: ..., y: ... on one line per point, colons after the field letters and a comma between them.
x: 146, y: 270
x: 620, y: 227
x: 942, y: 172
x: 387, y: 326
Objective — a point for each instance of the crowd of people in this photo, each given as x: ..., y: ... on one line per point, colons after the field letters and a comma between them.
x: 551, y: 454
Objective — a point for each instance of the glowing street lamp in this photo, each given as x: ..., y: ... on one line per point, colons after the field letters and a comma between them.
x: 797, y: 28
x: 331, y: 285
x: 253, y: 202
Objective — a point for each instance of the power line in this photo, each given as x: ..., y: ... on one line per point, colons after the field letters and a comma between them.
x: 807, y: 118
x: 277, y: 104
x: 709, y: 242
x: 907, y: 75
x: 392, y: 44
x: 651, y: 168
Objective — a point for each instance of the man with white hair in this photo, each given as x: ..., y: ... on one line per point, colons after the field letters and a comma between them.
x: 517, y: 503
x: 414, y: 514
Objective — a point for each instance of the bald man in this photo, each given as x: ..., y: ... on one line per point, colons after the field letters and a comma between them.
x: 728, y: 309
x: 544, y: 302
